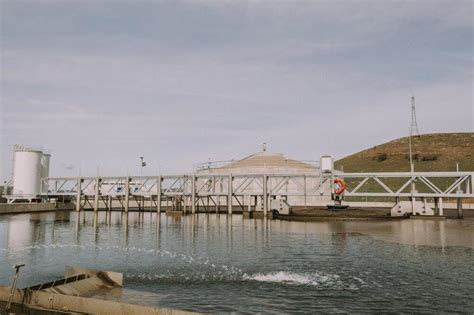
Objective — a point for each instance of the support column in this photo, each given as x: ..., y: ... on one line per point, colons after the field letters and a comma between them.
x: 304, y: 186
x: 471, y: 180
x: 460, y: 214
x: 96, y: 194
x: 440, y: 205
x: 185, y: 203
x: 193, y: 194
x: 79, y: 195
x: 127, y: 193
x: 158, y: 195
x: 184, y: 197
x: 110, y: 203
x: 218, y: 203
x: 459, y: 201
x: 265, y: 195
x: 230, y: 194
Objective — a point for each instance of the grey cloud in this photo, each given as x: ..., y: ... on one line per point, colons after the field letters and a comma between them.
x: 182, y: 81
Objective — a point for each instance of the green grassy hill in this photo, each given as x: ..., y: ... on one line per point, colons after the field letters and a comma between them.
x: 431, y: 152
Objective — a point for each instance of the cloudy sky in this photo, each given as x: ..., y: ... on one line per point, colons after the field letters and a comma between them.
x: 100, y: 83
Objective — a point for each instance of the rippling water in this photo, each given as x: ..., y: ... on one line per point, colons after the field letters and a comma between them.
x: 221, y: 263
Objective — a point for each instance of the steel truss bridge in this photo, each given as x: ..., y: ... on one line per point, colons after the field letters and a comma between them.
x: 189, y: 192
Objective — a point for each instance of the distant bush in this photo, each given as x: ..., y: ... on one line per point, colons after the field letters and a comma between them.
x: 415, y: 156
x: 431, y: 157
x: 382, y: 157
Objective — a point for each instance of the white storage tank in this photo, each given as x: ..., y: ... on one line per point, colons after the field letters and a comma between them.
x: 27, y: 173
x: 45, y: 171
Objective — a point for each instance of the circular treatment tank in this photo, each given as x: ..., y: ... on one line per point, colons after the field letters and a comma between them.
x: 27, y: 173
x: 45, y: 171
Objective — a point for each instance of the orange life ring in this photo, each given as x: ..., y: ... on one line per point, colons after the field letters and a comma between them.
x: 339, y: 186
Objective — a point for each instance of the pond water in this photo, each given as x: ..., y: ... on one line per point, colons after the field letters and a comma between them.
x: 222, y: 263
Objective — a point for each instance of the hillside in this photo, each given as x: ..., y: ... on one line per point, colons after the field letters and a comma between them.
x: 431, y: 152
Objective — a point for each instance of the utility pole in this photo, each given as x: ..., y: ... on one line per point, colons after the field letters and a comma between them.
x: 413, y: 130
x: 414, y: 125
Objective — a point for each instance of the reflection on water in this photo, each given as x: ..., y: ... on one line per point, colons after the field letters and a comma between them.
x: 217, y: 262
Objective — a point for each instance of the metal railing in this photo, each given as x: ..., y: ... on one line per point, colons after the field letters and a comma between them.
x: 221, y: 164
x: 212, y: 165
x: 428, y: 184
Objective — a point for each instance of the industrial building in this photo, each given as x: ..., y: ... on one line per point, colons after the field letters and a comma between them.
x: 265, y: 162
x: 30, y: 166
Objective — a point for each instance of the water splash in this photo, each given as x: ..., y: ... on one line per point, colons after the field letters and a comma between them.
x: 315, y: 279
x: 293, y: 278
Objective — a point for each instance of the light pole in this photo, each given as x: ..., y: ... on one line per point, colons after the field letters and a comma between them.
x: 142, y: 165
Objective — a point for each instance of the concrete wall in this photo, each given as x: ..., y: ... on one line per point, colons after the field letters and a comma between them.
x: 78, y: 304
x: 446, y: 205
x: 33, y: 207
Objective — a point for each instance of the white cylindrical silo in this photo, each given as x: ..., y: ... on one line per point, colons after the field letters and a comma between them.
x: 45, y: 171
x: 27, y: 173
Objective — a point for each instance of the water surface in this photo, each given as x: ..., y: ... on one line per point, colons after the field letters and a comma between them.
x: 221, y: 263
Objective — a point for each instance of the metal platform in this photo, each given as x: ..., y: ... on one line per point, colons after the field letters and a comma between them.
x: 189, y: 191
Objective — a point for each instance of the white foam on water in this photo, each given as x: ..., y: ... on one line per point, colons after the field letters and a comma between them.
x: 194, y: 260
x: 220, y: 272
x: 43, y: 246
x: 288, y: 277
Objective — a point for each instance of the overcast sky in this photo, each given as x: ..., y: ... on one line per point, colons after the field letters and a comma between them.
x: 100, y: 83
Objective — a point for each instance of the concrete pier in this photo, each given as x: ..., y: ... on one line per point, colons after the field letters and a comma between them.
x: 440, y: 204
x: 459, y: 206
x: 193, y: 194
x: 265, y: 195
x: 16, y: 208
x: 158, y: 194
x: 127, y: 193
x: 79, y: 194
x: 96, y: 194
x: 230, y: 194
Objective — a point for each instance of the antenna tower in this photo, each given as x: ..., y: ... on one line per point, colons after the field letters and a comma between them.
x: 414, y: 125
